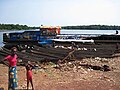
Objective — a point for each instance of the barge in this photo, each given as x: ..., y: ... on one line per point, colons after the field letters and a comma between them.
x: 32, y: 37
x: 105, y: 38
x: 50, y: 35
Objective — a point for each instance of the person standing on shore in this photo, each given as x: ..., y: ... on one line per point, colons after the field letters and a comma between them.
x: 116, y: 32
x: 12, y: 59
x: 29, y: 68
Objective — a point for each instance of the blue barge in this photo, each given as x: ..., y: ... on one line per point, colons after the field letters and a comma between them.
x: 34, y: 37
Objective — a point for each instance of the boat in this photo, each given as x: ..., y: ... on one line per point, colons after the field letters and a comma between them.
x: 73, y: 40
x: 113, y: 38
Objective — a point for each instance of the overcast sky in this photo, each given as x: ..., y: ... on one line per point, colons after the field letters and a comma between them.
x: 60, y: 12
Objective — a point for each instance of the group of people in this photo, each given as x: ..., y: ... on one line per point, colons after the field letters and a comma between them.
x: 12, y: 79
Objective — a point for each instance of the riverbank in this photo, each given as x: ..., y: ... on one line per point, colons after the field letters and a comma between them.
x: 89, y: 67
x: 50, y: 78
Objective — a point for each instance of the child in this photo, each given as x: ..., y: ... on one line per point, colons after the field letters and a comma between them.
x: 29, y: 67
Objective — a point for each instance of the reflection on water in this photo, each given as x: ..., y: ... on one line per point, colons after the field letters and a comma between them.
x: 67, y: 32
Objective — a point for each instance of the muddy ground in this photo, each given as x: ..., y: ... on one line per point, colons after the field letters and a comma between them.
x: 50, y: 78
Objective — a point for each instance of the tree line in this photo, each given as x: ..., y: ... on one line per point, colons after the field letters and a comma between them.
x: 82, y: 27
x: 15, y: 27
x: 93, y: 27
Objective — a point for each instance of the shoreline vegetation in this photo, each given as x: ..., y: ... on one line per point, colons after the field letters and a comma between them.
x: 15, y: 27
x: 78, y: 27
x: 93, y: 27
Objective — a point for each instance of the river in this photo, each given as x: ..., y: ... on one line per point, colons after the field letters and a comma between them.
x: 63, y: 31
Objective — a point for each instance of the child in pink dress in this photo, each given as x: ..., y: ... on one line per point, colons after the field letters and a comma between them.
x: 29, y: 67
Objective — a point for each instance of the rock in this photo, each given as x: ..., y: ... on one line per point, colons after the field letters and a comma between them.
x: 69, y: 63
x: 23, y: 51
x: 106, y: 68
x: 97, y: 58
x: 95, y: 49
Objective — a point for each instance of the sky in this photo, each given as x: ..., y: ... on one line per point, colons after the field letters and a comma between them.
x: 60, y: 12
